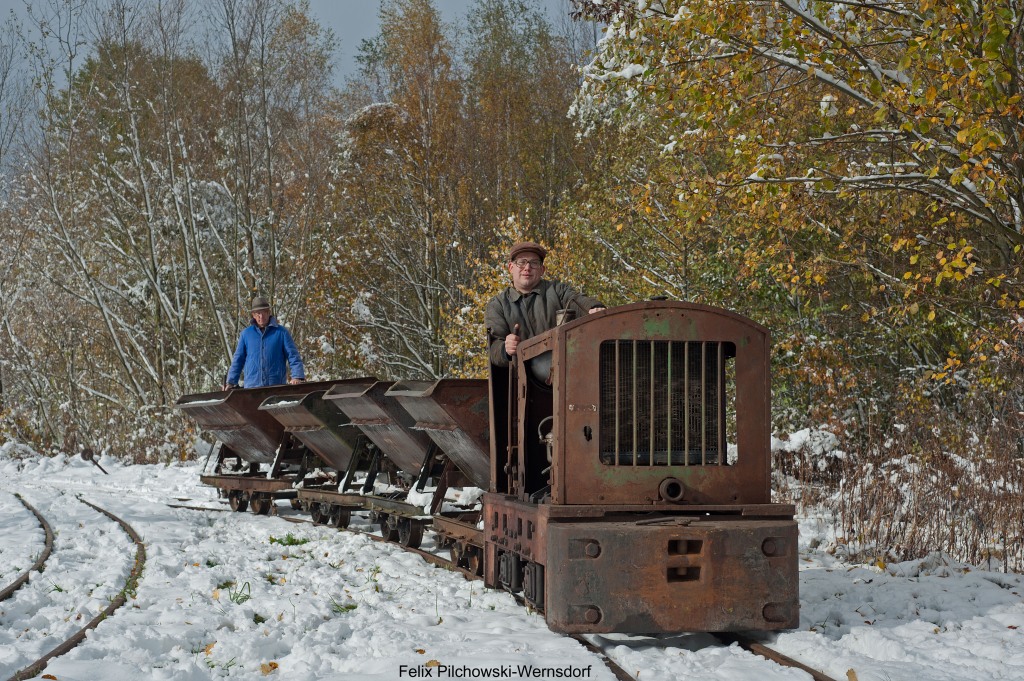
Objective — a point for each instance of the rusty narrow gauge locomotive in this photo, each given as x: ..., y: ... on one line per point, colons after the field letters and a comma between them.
x: 630, y: 476
x: 625, y: 457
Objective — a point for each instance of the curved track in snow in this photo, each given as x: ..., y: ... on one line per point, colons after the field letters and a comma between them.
x: 81, y: 594
x: 23, y: 578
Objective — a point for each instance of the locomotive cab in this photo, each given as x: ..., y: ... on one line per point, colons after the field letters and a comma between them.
x: 630, y: 475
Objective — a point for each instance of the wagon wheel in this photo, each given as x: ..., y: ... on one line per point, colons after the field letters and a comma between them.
x: 316, y: 513
x: 475, y: 560
x: 296, y: 504
x: 238, y: 500
x: 389, y: 533
x: 261, y: 504
x: 410, y: 533
x: 340, y: 517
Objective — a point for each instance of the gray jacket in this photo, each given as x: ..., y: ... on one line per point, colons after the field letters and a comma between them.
x: 534, y: 312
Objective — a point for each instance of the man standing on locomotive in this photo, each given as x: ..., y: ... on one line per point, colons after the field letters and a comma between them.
x: 265, y: 350
x: 529, y: 306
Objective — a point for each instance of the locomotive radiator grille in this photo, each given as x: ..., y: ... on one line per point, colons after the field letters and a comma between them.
x: 664, y: 403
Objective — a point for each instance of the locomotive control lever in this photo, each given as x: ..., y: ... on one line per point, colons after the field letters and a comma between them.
x: 547, y: 440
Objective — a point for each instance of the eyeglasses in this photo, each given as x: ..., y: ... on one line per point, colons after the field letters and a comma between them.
x: 521, y: 264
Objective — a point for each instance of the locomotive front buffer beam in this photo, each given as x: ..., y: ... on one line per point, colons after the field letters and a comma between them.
x: 644, y: 574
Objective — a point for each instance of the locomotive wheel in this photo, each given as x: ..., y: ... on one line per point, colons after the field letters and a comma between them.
x: 389, y: 533
x: 340, y: 517
x: 316, y: 513
x: 261, y: 504
x: 238, y: 500
x: 409, y: 533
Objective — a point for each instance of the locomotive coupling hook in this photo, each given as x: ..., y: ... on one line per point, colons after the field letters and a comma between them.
x: 672, y: 489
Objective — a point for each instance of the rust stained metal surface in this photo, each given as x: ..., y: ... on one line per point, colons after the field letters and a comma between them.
x: 246, y: 483
x: 234, y: 417
x: 323, y: 429
x: 345, y: 500
x: 458, y: 530
x: 387, y: 425
x: 673, y: 574
x: 736, y: 386
x: 453, y: 412
x: 511, y: 525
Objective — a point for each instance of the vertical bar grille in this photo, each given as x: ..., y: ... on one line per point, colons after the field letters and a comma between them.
x: 663, y: 403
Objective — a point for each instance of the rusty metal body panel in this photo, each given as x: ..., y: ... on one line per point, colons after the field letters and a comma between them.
x: 326, y: 431
x: 649, y: 572
x: 649, y: 337
x: 672, y: 574
x: 383, y: 421
x: 234, y: 418
x: 453, y: 412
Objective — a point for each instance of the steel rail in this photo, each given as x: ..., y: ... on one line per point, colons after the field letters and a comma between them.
x: 38, y: 565
x: 129, y: 588
x: 620, y: 673
x: 764, y: 651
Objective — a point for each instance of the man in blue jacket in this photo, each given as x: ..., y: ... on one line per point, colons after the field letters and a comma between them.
x: 265, y: 350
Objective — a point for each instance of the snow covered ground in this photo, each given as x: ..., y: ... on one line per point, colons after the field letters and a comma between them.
x: 230, y: 595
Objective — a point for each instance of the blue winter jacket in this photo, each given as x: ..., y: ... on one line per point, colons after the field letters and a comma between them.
x: 262, y: 356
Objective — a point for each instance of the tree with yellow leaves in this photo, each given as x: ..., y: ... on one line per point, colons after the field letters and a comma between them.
x: 862, y: 160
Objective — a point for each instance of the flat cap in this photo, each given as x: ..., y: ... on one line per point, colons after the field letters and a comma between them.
x: 259, y: 303
x: 523, y: 247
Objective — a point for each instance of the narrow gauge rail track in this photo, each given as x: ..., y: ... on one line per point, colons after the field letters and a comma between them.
x: 129, y: 587
x: 23, y: 578
x: 745, y: 642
